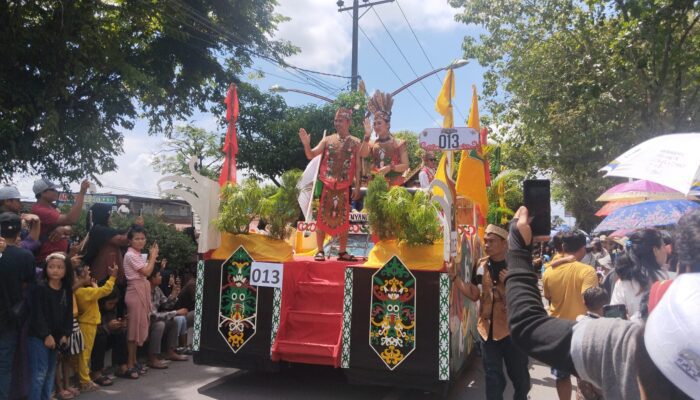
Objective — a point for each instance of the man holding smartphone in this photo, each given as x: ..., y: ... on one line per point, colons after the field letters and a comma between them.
x: 488, y: 286
x: 564, y: 284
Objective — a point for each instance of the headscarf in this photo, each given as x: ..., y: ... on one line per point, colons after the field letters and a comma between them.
x: 99, y: 232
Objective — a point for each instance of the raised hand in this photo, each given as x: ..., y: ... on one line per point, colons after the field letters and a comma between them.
x: 368, y: 127
x: 153, y: 251
x: 113, y: 270
x: 304, y: 137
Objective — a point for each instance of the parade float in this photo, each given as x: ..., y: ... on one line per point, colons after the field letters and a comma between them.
x: 390, y: 319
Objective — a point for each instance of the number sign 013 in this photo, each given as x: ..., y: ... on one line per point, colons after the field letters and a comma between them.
x: 449, y: 139
x: 266, y: 274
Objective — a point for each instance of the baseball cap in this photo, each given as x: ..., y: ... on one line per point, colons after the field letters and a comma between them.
x: 10, y: 223
x: 9, y: 193
x: 41, y: 185
x: 671, y: 331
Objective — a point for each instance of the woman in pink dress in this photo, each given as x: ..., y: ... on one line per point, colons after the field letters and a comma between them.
x: 138, y: 291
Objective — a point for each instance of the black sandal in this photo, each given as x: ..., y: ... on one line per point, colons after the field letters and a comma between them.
x: 345, y: 256
x: 131, y: 373
x: 320, y: 256
x: 103, y: 380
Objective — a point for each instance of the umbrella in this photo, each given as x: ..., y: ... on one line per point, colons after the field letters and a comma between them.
x: 646, y: 214
x: 612, y: 206
x: 639, y: 191
x: 671, y: 160
x: 620, y: 233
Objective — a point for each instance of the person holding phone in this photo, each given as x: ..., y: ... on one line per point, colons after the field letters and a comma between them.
x: 488, y: 287
x: 16, y: 272
x: 138, y: 291
x: 55, y: 227
x: 563, y: 285
x: 624, y: 359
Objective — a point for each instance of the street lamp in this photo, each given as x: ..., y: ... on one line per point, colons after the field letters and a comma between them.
x: 453, y: 65
x: 280, y: 89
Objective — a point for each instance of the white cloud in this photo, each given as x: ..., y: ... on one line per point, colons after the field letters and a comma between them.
x: 325, y: 35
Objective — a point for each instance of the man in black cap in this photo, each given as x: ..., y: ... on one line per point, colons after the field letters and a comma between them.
x: 10, y: 202
x: 16, y: 271
x: 55, y: 227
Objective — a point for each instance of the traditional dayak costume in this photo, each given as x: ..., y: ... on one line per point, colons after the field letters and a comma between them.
x: 388, y: 150
x: 337, y: 172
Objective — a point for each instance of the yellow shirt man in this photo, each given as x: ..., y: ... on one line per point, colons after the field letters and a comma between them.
x: 564, y: 285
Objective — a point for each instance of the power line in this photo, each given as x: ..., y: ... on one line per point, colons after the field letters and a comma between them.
x: 402, y: 54
x: 234, y: 40
x: 395, y: 74
x: 410, y: 27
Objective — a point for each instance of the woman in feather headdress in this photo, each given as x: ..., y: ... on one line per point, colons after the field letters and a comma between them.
x: 389, y: 156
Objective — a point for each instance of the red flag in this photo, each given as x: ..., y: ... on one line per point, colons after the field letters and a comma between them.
x: 487, y: 165
x: 228, y: 170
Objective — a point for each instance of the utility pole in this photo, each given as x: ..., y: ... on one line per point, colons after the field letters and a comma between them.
x: 355, y: 28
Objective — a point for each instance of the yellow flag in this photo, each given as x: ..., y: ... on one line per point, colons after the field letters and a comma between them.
x: 443, y: 104
x: 471, y: 178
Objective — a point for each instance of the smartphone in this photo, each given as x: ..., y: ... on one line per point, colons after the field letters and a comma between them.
x: 536, y: 196
x: 615, y: 311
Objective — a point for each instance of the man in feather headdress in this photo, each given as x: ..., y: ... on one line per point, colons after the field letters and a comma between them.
x: 337, y: 172
x: 389, y: 156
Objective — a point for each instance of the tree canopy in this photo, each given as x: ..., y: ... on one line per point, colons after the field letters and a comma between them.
x: 571, y: 85
x: 268, y: 139
x: 74, y: 74
x: 185, y: 142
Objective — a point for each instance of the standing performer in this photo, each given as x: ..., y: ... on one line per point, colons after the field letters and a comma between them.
x: 427, y: 172
x: 337, y: 171
x: 389, y: 155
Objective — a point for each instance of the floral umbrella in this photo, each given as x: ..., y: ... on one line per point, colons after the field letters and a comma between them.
x: 640, y: 190
x: 646, y: 214
x: 612, y: 206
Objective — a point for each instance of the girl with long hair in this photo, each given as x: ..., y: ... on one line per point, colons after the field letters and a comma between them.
x: 51, y: 324
x: 638, y: 269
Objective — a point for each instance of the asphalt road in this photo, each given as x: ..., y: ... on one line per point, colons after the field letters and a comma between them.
x: 186, y: 381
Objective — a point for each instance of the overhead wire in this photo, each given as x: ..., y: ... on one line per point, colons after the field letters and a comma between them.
x: 395, y: 73
x: 437, y: 75
x: 234, y: 40
x: 402, y: 53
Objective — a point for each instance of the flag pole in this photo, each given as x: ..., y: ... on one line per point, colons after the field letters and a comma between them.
x: 313, y: 185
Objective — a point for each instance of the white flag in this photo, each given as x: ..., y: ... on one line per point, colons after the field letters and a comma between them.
x: 306, y: 186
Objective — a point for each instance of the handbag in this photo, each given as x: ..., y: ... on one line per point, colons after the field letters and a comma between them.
x: 75, y: 341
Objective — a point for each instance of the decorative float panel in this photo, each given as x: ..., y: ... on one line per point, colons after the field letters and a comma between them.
x: 238, y: 301
x: 392, y: 328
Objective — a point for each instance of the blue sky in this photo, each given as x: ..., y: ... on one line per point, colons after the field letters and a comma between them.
x: 325, y: 38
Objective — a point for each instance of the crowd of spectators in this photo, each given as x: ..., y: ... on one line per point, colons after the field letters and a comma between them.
x: 64, y: 305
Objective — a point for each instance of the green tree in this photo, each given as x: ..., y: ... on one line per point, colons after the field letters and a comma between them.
x: 174, y: 245
x: 412, y: 147
x: 185, y: 142
x: 571, y: 85
x: 75, y: 74
x: 268, y: 138
x: 507, y: 185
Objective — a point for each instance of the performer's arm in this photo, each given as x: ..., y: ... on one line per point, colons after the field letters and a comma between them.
x: 364, y: 148
x: 358, y: 178
x: 306, y: 141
